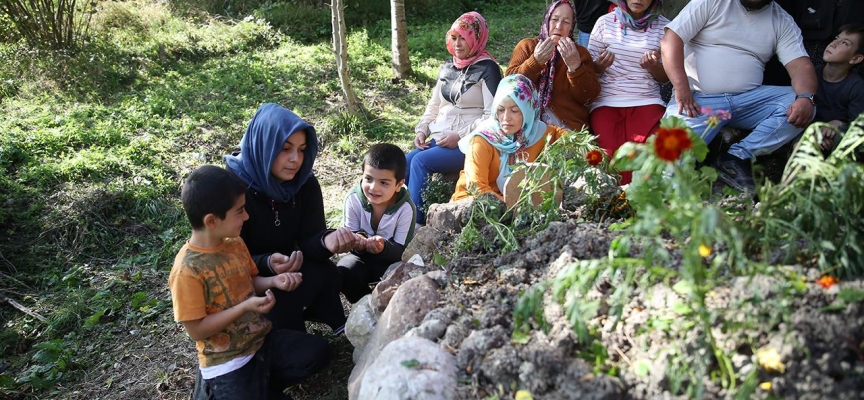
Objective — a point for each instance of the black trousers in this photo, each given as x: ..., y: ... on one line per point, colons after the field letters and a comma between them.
x: 286, y: 358
x: 316, y: 299
x: 358, y: 272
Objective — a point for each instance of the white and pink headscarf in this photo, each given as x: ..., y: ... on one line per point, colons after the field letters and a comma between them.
x: 473, y: 28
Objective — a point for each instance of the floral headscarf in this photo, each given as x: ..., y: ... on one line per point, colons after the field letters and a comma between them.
x: 623, y: 16
x: 473, y: 28
x: 264, y: 139
x: 519, y: 88
x: 548, y: 74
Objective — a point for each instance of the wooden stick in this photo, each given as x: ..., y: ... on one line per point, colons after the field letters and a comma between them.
x: 23, y: 309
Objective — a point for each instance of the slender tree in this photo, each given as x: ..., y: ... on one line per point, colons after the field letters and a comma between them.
x: 399, y: 39
x: 340, y: 48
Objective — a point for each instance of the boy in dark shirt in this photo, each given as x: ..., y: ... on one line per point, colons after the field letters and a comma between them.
x: 840, y: 97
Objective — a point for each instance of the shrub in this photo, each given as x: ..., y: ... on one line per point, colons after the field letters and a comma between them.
x: 57, y: 25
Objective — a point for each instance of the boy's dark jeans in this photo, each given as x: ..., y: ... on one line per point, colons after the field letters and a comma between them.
x: 358, y: 272
x: 286, y: 358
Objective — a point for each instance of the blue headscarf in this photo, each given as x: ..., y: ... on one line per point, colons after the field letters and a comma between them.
x: 519, y: 88
x: 265, y: 137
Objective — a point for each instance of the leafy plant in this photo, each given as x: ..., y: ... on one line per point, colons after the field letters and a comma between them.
x: 437, y: 191
x: 819, y: 202
x: 683, y: 240
x: 56, y: 24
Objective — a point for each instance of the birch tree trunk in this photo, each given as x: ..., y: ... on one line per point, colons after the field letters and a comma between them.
x: 340, y: 48
x: 399, y: 39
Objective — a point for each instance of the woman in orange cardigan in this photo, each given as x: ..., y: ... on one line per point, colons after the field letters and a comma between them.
x: 562, y: 71
x: 513, y: 133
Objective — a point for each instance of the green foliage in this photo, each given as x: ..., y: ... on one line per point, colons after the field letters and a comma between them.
x: 49, y: 363
x: 819, y: 202
x: 708, y: 247
x: 299, y: 20
x: 437, y: 191
x: 58, y: 25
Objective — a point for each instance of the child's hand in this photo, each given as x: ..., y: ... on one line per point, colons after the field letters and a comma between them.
x: 361, y: 244
x: 281, y: 263
x: 375, y: 244
x: 287, y: 281
x: 260, y: 305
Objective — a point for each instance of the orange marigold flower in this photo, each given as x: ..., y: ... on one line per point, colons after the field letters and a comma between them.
x: 827, y: 281
x: 594, y: 157
x: 670, y: 142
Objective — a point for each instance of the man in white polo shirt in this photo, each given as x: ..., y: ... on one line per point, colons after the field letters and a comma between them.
x: 714, y: 53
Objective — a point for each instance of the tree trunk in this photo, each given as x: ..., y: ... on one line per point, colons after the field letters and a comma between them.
x: 399, y: 40
x: 340, y: 48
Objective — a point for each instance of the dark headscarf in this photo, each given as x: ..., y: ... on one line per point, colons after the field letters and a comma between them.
x: 265, y: 137
x: 544, y: 87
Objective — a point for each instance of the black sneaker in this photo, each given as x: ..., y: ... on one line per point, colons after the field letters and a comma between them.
x: 736, y: 173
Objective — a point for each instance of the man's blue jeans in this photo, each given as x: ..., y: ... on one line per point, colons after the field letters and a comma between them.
x: 762, y: 110
x: 583, y: 38
x: 422, y: 164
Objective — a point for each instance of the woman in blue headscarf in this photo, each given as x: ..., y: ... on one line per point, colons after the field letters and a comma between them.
x: 286, y: 230
x: 512, y: 134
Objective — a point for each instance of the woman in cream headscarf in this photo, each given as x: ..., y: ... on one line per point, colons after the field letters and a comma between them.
x: 513, y: 133
x: 460, y: 100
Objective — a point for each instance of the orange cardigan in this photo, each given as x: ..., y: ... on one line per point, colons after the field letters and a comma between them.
x: 483, y: 163
x: 571, y: 92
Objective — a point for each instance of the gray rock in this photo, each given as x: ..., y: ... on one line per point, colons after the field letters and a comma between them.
x: 361, y: 323
x: 427, y: 241
x: 429, y: 329
x: 396, y: 275
x: 410, y: 368
x: 407, y: 308
x: 449, y: 217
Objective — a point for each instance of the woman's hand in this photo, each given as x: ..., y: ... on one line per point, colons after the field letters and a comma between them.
x: 341, y: 240
x: 650, y: 60
x: 281, y: 263
x: 570, y: 54
x: 420, y: 141
x: 449, y: 141
x: 603, y: 61
x: 544, y: 50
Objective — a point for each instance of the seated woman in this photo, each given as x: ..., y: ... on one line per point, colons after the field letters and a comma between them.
x: 625, y: 44
x: 514, y: 133
x: 460, y: 100
x: 286, y: 230
x: 561, y: 70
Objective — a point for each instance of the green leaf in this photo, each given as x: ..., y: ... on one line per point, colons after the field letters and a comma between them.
x: 641, y: 368
x: 683, y: 287
x: 7, y: 382
x: 438, y: 259
x: 827, y: 245
x: 93, y: 319
x: 412, y: 363
x: 681, y: 308
x: 851, y: 295
x: 833, y: 307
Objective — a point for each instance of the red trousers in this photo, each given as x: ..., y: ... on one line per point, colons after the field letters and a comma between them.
x: 615, y: 126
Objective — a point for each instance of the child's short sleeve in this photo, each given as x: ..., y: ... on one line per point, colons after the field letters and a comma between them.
x: 187, y: 295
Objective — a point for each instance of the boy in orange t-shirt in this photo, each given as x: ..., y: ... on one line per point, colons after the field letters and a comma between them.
x: 214, y: 285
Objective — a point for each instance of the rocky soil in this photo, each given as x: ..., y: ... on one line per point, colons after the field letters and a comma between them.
x: 817, y: 333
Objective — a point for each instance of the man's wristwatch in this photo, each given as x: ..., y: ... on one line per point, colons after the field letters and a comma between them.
x: 808, y: 96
